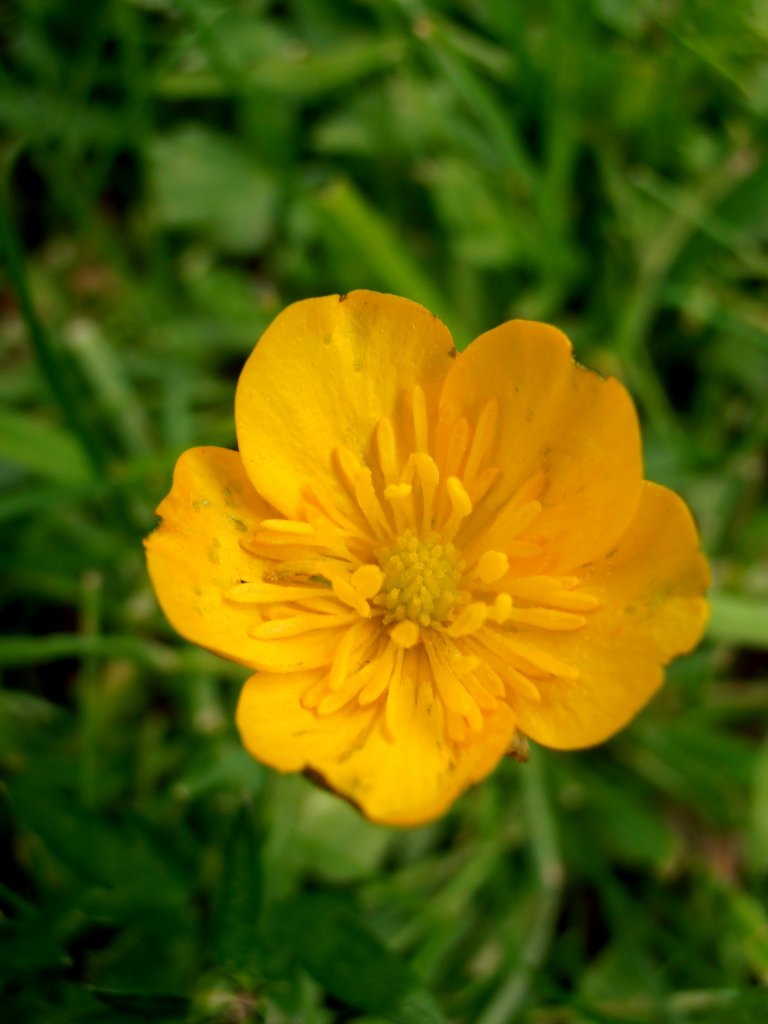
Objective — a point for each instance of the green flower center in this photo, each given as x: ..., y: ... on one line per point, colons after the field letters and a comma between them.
x: 421, y: 580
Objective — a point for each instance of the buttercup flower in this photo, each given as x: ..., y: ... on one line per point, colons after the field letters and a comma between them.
x: 425, y: 555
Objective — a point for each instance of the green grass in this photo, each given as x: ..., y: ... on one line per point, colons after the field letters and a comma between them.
x: 174, y: 172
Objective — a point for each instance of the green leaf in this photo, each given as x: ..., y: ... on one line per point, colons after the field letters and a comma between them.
x: 333, y: 841
x: 240, y: 894
x: 297, y: 72
x: 40, y: 448
x: 478, y: 220
x: 149, y: 1005
x: 333, y: 945
x: 348, y: 218
x: 115, y: 854
x: 28, y: 946
x: 204, y: 182
x: 736, y: 619
x: 717, y: 1006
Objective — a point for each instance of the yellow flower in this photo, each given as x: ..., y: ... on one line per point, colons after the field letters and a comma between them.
x: 426, y: 554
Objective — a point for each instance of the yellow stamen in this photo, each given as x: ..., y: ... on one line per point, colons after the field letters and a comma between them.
x: 502, y: 606
x: 346, y: 592
x: 369, y: 502
x: 367, y: 580
x: 546, y: 618
x: 482, y: 440
x: 555, y: 592
x: 400, y: 499
x: 387, y: 447
x: 453, y: 693
x: 420, y: 422
x: 421, y: 580
x: 469, y: 620
x: 458, y: 442
x: 353, y: 643
x: 508, y: 645
x: 290, y: 526
x: 429, y: 477
x: 295, y: 625
x: 397, y: 712
x: 405, y: 634
x: 382, y: 673
x: 461, y: 506
x: 268, y: 593
x: 491, y: 566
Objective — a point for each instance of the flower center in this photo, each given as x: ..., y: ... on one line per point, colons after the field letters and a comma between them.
x: 421, y: 580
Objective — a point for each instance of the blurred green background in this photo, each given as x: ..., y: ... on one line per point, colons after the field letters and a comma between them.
x: 174, y: 172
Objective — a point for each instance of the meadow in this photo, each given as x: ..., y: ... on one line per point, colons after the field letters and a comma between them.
x: 175, y: 173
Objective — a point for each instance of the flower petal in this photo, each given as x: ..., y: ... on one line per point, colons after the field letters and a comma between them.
x: 407, y: 780
x: 195, y: 557
x: 324, y: 372
x: 577, y: 428
x: 278, y: 730
x: 651, y: 589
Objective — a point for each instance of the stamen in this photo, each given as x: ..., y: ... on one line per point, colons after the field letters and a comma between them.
x: 359, y: 482
x: 333, y: 701
x: 295, y: 625
x: 502, y: 606
x: 346, y: 592
x: 421, y: 580
x: 458, y: 442
x: 289, y: 543
x: 452, y: 692
x: 461, y: 506
x: 405, y: 634
x: 399, y: 497
x: 479, y: 694
x: 321, y: 568
x: 314, y: 693
x: 482, y: 483
x: 383, y: 667
x: 469, y: 620
x: 420, y: 422
x: 289, y: 526
x: 367, y: 580
x: 355, y: 639
x: 429, y: 477
x: 532, y: 488
x: 465, y: 667
x: 396, y: 711
x: 482, y: 439
x: 387, y: 448
x: 555, y: 592
x: 328, y: 506
x: 268, y: 593
x: 491, y: 566
x: 508, y: 645
x: 501, y: 532
x: 504, y: 679
x: 546, y: 618
x: 518, y: 683
x: 369, y: 503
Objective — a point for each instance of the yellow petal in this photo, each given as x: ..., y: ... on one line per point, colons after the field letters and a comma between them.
x: 195, y: 557
x: 651, y: 590
x: 322, y: 375
x: 555, y: 417
x: 407, y: 780
x: 278, y: 730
